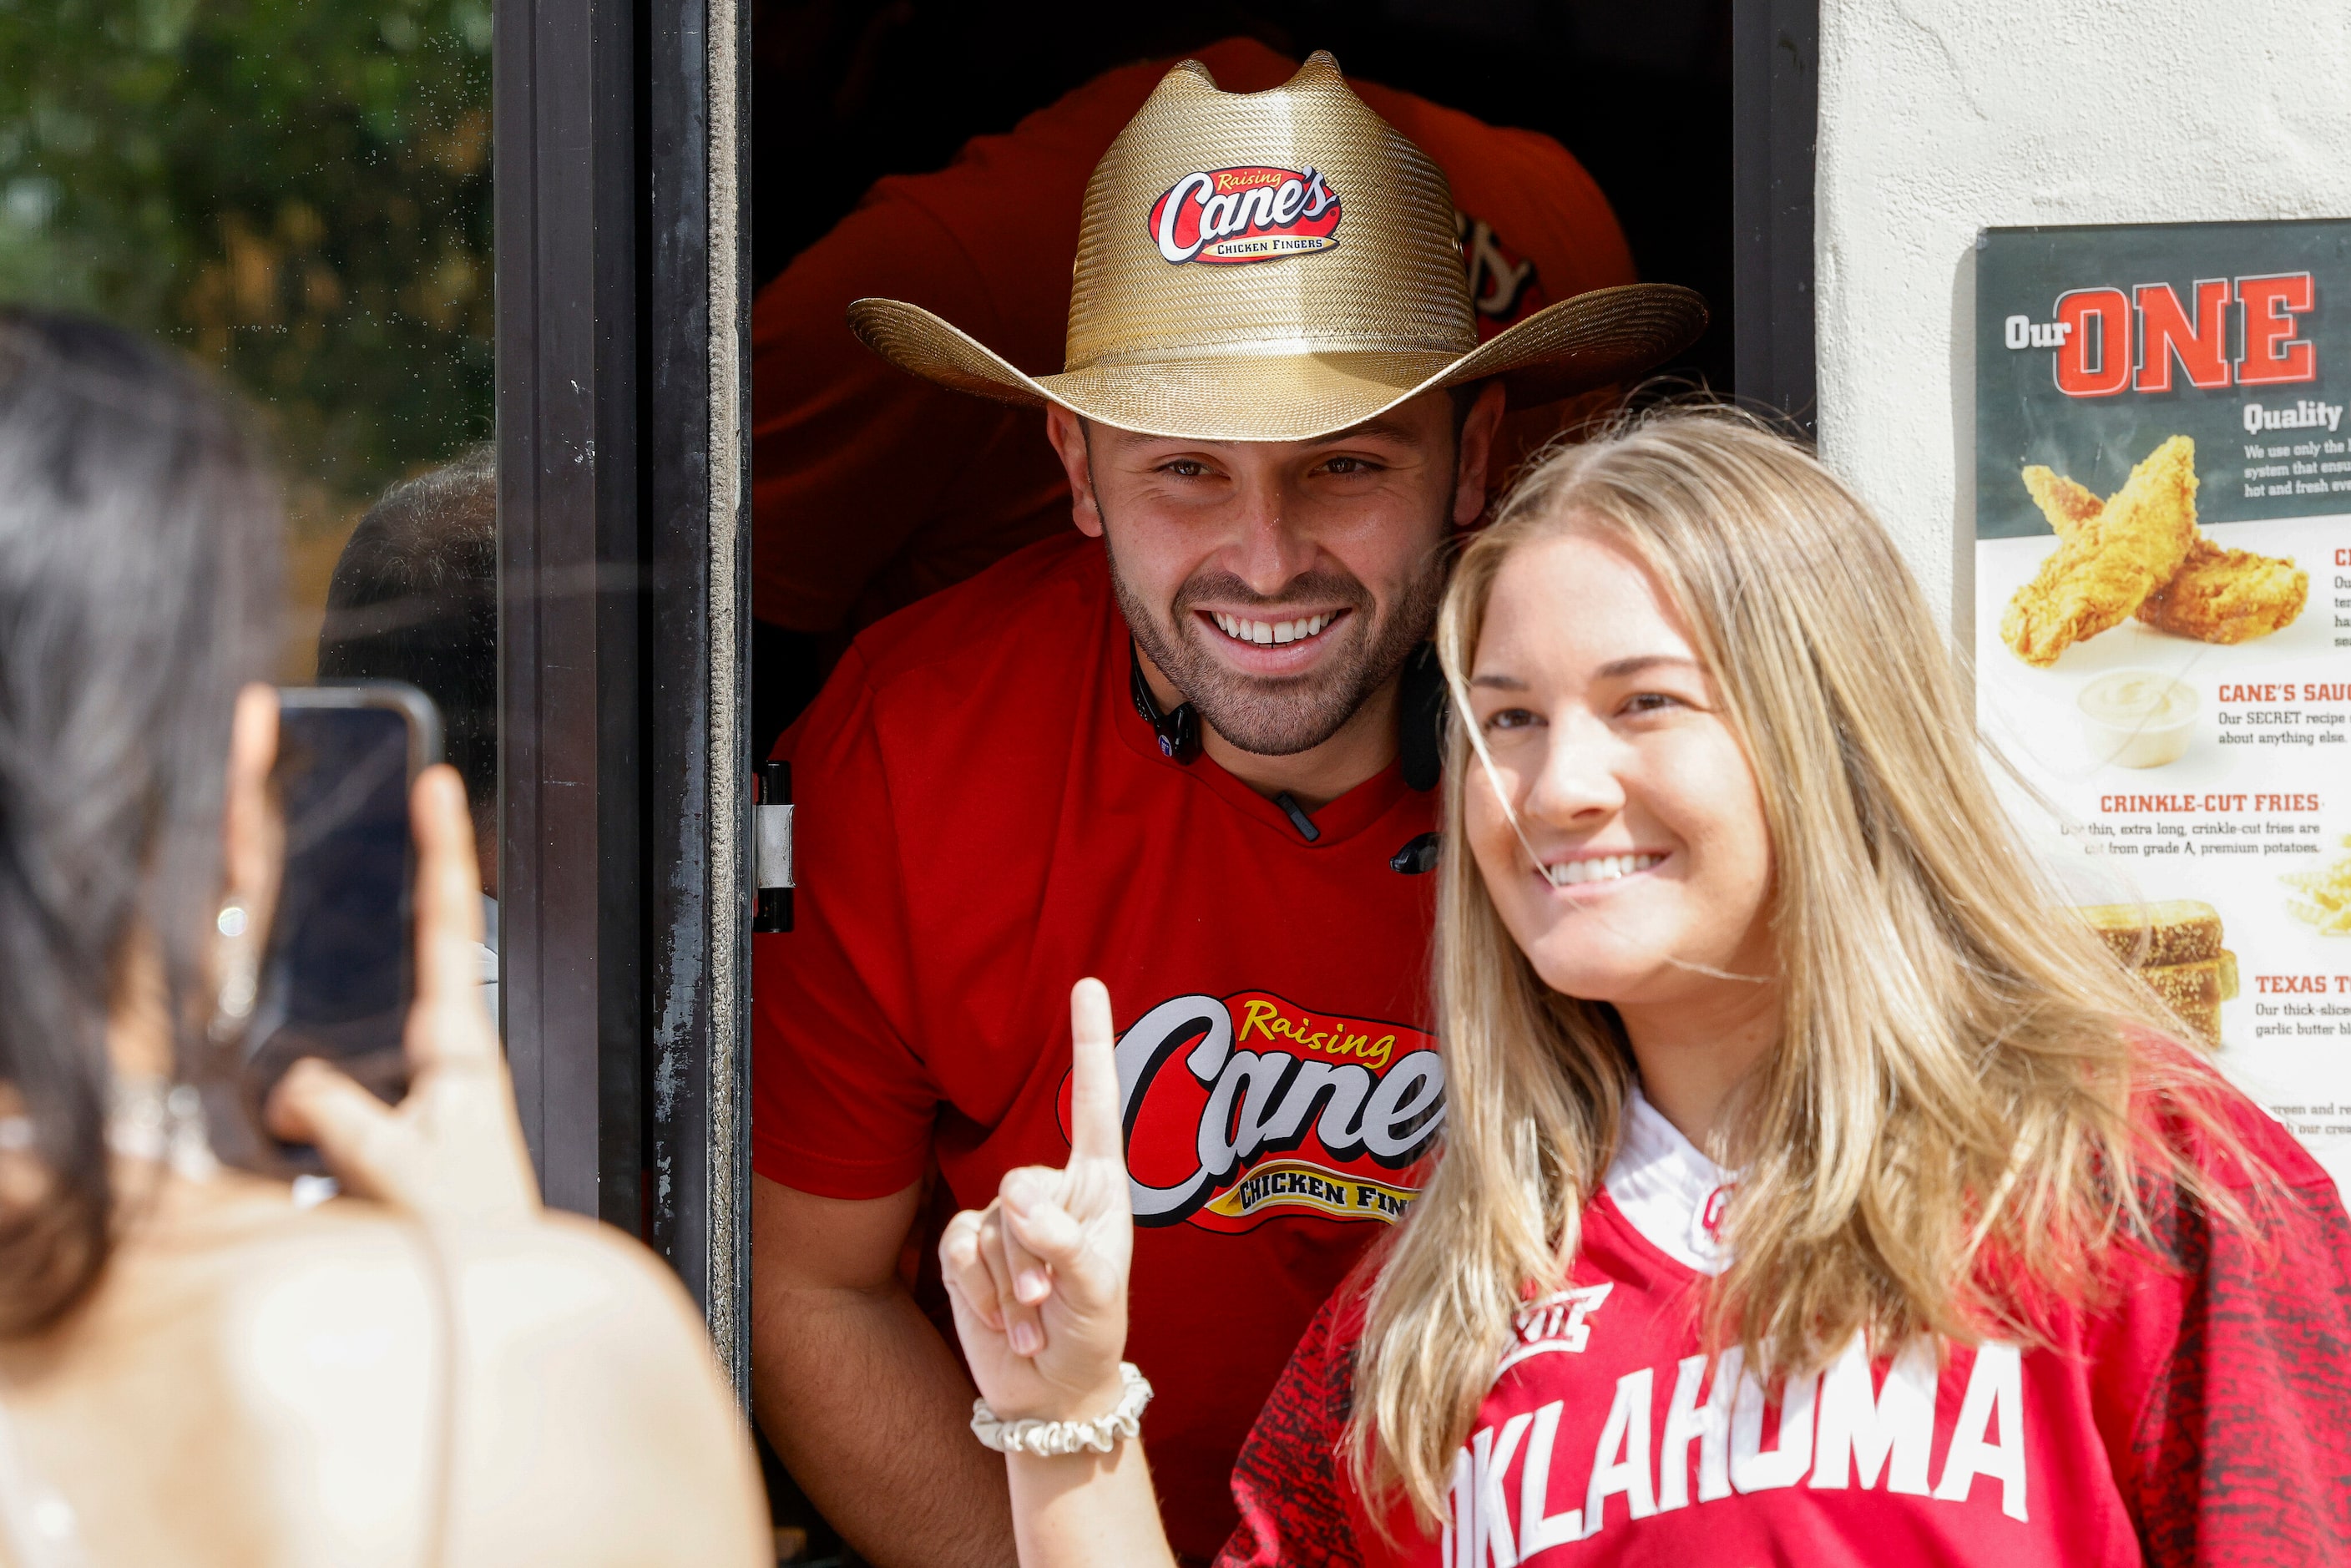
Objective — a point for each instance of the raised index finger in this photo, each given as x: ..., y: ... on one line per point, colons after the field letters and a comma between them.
x: 1094, y: 1129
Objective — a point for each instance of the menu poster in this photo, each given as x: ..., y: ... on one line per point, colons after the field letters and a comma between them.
x: 2163, y: 614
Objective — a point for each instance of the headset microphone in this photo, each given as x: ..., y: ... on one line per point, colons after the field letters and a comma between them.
x: 1422, y: 711
x: 1178, y: 732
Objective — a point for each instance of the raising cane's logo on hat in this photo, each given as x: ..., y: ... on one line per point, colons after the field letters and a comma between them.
x: 1285, y: 353
x: 1248, y: 212
x: 1243, y: 1107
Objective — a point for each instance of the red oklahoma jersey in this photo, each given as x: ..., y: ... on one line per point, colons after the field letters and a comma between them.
x: 2203, y: 1417
x: 982, y: 819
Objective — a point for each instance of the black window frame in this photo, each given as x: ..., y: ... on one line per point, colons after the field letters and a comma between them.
x: 624, y: 824
x: 1775, y: 58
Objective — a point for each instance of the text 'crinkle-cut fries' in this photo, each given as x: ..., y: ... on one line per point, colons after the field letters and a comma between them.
x: 2215, y: 595
x: 2328, y: 905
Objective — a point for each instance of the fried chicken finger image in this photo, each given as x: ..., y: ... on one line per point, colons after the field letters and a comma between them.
x: 2216, y: 595
x: 2106, y: 568
x: 2227, y: 595
x: 2065, y: 503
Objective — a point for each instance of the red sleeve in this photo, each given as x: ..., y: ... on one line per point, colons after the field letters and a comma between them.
x: 850, y: 455
x: 842, y: 1104
x: 1294, y: 1511
x: 2240, y: 1451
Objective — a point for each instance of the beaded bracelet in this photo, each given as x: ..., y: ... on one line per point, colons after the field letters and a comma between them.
x: 1051, y: 1439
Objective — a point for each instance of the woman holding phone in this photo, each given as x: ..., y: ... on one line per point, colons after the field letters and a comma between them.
x: 1813, y: 1187
x: 192, y: 1369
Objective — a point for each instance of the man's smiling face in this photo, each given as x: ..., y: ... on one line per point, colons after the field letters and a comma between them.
x: 1278, y: 585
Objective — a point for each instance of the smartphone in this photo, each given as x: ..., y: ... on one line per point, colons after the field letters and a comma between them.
x: 339, y: 968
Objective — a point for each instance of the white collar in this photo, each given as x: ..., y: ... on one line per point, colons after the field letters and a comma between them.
x: 1667, y: 1188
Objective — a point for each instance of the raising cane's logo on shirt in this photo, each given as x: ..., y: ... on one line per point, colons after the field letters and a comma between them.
x: 1243, y: 1107
x: 1249, y: 212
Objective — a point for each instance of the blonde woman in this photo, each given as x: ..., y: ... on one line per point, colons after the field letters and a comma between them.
x: 1813, y: 1189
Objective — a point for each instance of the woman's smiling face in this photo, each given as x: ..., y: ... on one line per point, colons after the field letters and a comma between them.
x: 1608, y: 739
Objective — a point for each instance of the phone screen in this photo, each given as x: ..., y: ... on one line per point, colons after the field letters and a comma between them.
x: 339, y: 970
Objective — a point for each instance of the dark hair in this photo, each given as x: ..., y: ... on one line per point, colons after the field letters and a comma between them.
x: 416, y: 597
x: 138, y: 589
x: 1464, y: 396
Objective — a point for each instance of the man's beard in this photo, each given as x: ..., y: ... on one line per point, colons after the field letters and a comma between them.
x: 1281, y: 717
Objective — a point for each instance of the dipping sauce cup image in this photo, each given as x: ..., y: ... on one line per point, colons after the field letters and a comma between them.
x: 2137, y: 718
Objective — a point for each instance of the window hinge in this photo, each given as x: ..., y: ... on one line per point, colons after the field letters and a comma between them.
x: 773, y: 870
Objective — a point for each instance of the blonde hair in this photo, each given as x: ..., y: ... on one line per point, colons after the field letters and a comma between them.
x: 1946, y: 1134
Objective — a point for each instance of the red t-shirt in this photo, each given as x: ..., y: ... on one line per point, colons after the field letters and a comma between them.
x: 871, y: 488
x: 2203, y: 1417
x: 982, y: 818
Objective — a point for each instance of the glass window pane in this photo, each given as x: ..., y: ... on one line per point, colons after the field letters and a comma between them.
x: 297, y: 193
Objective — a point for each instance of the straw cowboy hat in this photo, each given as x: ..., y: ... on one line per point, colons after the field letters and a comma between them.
x: 1275, y: 266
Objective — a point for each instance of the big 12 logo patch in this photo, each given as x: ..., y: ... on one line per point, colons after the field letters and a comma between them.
x: 1243, y: 1107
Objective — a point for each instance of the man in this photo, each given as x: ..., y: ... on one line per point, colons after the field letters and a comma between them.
x: 988, y: 242
x: 1165, y: 752
x: 415, y: 598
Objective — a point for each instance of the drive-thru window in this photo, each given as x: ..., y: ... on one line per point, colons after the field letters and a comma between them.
x: 980, y: 127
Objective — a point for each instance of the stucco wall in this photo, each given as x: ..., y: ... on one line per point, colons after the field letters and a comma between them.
x: 1942, y: 117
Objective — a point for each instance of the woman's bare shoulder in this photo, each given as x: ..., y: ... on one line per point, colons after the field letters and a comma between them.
x: 581, y: 1338
x: 358, y: 1262
x: 559, y: 1365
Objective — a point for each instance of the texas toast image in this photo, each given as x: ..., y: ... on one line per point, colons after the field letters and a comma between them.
x: 2174, y: 948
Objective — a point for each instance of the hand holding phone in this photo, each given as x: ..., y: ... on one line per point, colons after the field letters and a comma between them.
x: 338, y: 969
x: 453, y: 1149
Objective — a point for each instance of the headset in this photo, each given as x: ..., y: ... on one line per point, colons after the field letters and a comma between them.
x: 1420, y: 716
x: 1420, y: 740
x: 1178, y: 732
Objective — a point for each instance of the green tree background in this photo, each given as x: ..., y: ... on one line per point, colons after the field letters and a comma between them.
x: 297, y: 192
